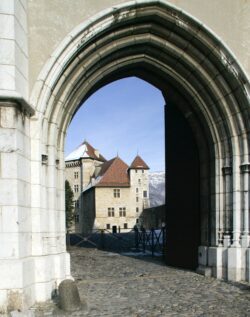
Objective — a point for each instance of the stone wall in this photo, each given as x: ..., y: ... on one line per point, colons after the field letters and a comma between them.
x: 105, y: 199
x: 229, y: 19
x: 153, y: 217
x: 87, y: 213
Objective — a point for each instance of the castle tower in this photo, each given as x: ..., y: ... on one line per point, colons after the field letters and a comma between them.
x: 139, y: 181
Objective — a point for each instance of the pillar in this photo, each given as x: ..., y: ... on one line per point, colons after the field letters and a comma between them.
x: 227, y: 174
x: 245, y: 171
x: 16, y: 265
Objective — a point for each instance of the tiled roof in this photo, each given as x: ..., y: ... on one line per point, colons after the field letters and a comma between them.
x: 138, y: 163
x: 85, y: 150
x: 113, y: 173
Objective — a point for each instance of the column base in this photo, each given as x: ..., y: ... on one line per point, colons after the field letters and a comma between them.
x: 234, y: 264
x: 27, y: 281
x: 245, y: 239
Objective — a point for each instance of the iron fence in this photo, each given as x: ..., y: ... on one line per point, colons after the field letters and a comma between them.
x: 136, y: 239
x: 153, y: 240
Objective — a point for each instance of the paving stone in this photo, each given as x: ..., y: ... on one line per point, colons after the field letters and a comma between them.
x: 115, y: 285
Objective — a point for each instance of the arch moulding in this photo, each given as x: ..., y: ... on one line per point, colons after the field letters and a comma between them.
x: 194, y: 70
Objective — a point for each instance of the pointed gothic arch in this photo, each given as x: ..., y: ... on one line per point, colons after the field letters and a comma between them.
x: 194, y: 70
x: 198, y: 74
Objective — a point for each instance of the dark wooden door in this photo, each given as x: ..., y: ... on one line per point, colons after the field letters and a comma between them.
x: 182, y: 192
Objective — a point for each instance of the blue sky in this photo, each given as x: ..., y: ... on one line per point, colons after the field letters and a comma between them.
x: 124, y: 117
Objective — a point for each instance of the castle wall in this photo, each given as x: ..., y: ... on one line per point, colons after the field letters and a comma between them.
x: 105, y: 199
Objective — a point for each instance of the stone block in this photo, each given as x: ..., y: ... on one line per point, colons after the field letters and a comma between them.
x: 7, y: 26
x: 8, y: 164
x: 44, y: 290
x: 11, y: 274
x: 9, y: 219
x: 7, y: 76
x: 44, y: 268
x: 20, y: 13
x: 234, y: 264
x: 36, y: 243
x: 21, y: 83
x: 7, y: 6
x: 43, y: 217
x: 23, y: 193
x: 21, y: 61
x: 69, y: 299
x: 3, y: 300
x: 9, y: 245
x: 24, y: 4
x: 28, y: 273
x: 21, y: 37
x: 8, y: 193
x: 27, y: 313
x: 7, y: 51
x: 36, y: 191
x: 217, y: 258
x: 202, y: 252
x: 25, y: 247
x: 62, y: 265
x: 35, y: 172
x: 204, y: 270
x: 7, y: 117
x: 248, y: 265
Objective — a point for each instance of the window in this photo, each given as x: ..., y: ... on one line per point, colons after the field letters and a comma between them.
x: 122, y: 212
x: 142, y: 171
x: 137, y: 220
x: 107, y: 226
x: 76, y: 218
x: 76, y: 188
x: 76, y: 175
x: 139, y: 181
x: 111, y: 212
x: 137, y: 209
x: 116, y: 193
x: 145, y: 194
x: 77, y: 203
x: 137, y: 199
x: 125, y: 226
x: 137, y: 190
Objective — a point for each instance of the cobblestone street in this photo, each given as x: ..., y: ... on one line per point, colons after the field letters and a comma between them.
x: 117, y: 285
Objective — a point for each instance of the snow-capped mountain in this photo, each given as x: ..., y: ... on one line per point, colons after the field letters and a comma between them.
x: 157, y: 188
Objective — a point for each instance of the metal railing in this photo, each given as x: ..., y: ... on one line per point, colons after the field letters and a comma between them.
x: 137, y: 239
x: 153, y: 240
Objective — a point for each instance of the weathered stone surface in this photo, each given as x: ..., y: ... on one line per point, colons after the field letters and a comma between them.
x: 69, y: 299
x: 118, y: 285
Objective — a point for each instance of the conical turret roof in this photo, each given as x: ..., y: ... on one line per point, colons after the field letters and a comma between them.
x: 138, y: 163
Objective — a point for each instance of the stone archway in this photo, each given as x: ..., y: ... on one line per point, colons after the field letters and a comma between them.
x: 198, y: 74
x: 194, y: 70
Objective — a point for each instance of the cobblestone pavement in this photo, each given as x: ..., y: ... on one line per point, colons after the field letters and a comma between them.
x: 116, y: 285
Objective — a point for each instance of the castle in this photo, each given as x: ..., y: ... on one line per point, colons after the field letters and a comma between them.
x: 108, y: 194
